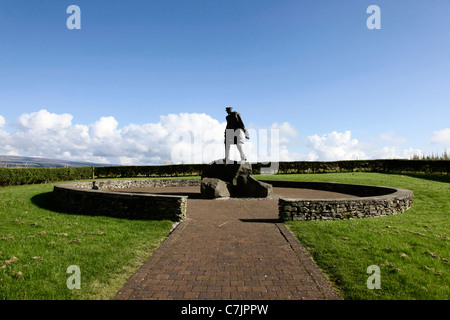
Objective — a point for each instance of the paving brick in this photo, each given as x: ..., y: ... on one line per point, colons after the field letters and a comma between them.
x: 222, y: 295
x: 191, y: 295
x: 199, y: 288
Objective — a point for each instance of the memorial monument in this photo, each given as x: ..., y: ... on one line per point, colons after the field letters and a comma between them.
x: 226, y: 178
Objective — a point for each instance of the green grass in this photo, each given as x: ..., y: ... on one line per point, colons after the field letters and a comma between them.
x: 411, y: 249
x: 46, y: 242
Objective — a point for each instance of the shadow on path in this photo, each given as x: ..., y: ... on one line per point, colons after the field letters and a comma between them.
x: 261, y: 220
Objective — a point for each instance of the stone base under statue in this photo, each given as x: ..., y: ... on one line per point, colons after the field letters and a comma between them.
x: 220, y: 179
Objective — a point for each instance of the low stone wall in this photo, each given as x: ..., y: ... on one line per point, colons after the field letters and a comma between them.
x: 95, y: 198
x: 134, y: 183
x: 351, y: 189
x: 372, y: 201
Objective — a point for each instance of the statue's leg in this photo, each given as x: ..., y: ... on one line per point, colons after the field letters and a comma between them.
x: 227, y: 152
x: 241, y: 152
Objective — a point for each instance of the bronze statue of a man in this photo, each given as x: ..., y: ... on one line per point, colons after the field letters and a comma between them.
x: 235, y: 132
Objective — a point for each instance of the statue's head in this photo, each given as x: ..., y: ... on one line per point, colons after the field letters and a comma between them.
x: 229, y: 109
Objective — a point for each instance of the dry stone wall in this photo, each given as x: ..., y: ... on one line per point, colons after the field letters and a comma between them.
x: 96, y: 198
x: 371, y: 201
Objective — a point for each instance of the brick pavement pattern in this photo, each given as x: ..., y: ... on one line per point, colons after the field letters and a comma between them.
x: 229, y: 249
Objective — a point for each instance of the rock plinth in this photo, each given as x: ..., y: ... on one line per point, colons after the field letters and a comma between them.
x: 220, y: 179
x: 214, y: 188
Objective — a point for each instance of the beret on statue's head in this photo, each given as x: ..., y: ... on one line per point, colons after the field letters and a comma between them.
x: 229, y: 108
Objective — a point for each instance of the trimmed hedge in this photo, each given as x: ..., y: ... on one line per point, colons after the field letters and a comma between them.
x: 18, y: 176
x: 386, y: 166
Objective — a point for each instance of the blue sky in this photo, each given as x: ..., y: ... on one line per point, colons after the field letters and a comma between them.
x: 313, y: 69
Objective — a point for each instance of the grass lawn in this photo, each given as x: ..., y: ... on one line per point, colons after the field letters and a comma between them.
x: 411, y: 249
x: 38, y: 244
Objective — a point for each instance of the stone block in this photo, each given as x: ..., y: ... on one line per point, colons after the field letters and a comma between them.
x: 227, y: 172
x: 248, y: 186
x: 211, y: 188
x: 236, y: 178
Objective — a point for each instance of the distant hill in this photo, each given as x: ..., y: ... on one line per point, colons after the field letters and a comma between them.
x: 36, y: 162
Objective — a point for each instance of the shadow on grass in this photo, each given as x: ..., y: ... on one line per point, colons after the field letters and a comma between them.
x: 47, y: 201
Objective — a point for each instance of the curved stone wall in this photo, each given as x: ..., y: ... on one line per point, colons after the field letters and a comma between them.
x: 96, y: 198
x: 372, y: 201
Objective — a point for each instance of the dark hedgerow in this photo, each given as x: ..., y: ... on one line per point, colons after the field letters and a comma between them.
x: 385, y: 166
x: 20, y: 176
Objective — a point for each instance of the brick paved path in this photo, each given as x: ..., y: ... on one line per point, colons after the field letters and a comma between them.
x: 229, y: 249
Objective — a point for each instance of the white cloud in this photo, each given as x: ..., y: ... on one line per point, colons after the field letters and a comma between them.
x: 190, y: 137
x: 104, y: 128
x: 5, y: 144
x: 341, y: 146
x: 176, y: 138
x: 181, y: 138
x: 441, y: 137
x: 336, y: 146
x: 286, y: 129
x: 392, y: 152
x: 44, y: 121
